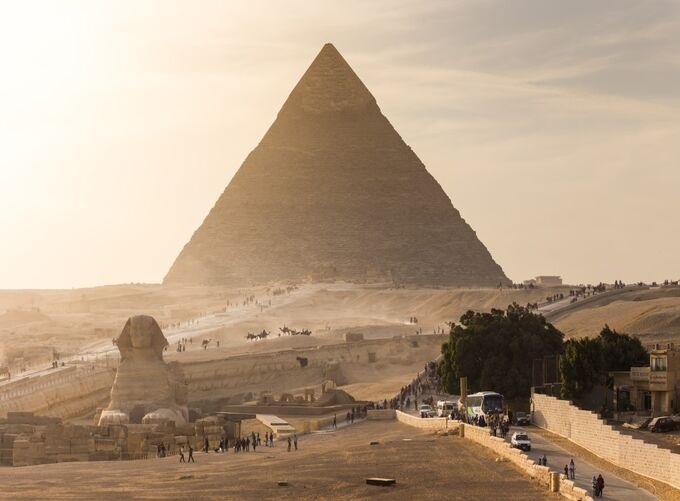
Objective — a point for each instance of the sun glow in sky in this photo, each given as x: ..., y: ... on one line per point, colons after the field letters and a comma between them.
x: 553, y: 127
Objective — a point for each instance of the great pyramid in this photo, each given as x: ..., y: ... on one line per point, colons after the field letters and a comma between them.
x: 332, y: 192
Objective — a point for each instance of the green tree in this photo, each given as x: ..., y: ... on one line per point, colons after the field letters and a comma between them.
x: 587, y: 362
x: 620, y: 351
x: 580, y: 367
x: 496, y: 350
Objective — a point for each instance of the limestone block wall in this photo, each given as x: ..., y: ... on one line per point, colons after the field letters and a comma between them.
x: 381, y: 414
x: 435, y: 423
x: 281, y: 370
x: 65, y: 393
x: 586, y: 429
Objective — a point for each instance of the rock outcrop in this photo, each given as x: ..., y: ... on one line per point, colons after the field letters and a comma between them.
x: 332, y: 192
x: 145, y: 385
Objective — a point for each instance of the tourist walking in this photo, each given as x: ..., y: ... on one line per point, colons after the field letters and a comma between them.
x: 191, y: 454
x: 600, y: 485
x: 295, y: 440
x: 572, y: 470
x: 289, y: 442
x: 181, y: 455
x: 335, y: 421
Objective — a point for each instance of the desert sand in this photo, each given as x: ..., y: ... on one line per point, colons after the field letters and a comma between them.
x: 330, y: 465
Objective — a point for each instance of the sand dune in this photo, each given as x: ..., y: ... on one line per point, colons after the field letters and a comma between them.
x: 653, y: 315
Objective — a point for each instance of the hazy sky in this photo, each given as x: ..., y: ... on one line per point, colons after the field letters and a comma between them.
x: 554, y: 127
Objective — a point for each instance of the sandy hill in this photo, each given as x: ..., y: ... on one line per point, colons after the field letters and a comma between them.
x: 72, y: 320
x: 652, y: 314
x: 85, y: 318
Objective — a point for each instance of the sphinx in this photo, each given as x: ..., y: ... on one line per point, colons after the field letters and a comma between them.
x: 145, y: 387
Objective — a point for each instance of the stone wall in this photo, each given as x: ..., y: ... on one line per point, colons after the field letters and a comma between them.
x: 381, y: 414
x: 435, y: 423
x: 586, y: 429
x: 24, y: 441
x: 277, y: 371
x: 67, y: 392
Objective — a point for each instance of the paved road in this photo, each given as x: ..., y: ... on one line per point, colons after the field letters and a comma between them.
x: 615, y: 487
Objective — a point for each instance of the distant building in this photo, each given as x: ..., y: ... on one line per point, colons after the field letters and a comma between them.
x: 543, y: 280
x: 655, y: 388
x: 548, y: 280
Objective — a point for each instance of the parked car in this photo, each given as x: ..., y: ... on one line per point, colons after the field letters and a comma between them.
x: 663, y: 423
x: 426, y: 411
x: 520, y: 440
x: 522, y: 418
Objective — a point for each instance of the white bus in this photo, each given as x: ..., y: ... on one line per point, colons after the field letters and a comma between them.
x: 483, y: 403
x: 444, y: 408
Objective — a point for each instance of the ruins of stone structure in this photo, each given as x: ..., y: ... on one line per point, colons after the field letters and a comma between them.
x: 332, y: 192
x: 146, y: 389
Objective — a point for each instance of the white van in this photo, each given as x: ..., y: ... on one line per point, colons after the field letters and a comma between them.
x: 444, y: 408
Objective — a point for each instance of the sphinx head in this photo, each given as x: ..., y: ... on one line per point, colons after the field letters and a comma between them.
x: 141, y: 334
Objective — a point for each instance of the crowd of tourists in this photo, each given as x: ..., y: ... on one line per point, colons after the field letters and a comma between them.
x: 247, y: 443
x: 425, y: 382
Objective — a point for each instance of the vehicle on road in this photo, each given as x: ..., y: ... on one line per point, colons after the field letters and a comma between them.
x: 663, y: 423
x: 426, y: 411
x: 444, y: 408
x: 520, y: 440
x: 483, y: 403
x: 522, y: 418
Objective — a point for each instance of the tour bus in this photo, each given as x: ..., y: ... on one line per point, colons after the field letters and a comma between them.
x: 483, y: 403
x: 444, y: 408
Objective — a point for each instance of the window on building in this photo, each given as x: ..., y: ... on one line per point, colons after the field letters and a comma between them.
x: 658, y: 363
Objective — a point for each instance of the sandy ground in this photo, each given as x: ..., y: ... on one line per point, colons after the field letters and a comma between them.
x: 653, y: 315
x: 329, y: 465
x: 34, y: 323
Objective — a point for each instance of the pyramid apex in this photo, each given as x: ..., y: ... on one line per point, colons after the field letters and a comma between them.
x: 328, y: 85
x: 329, y: 47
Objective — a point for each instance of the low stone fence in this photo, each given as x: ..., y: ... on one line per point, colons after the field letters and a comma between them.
x: 541, y: 474
x: 437, y: 423
x: 381, y: 414
x: 434, y: 424
x: 586, y: 429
